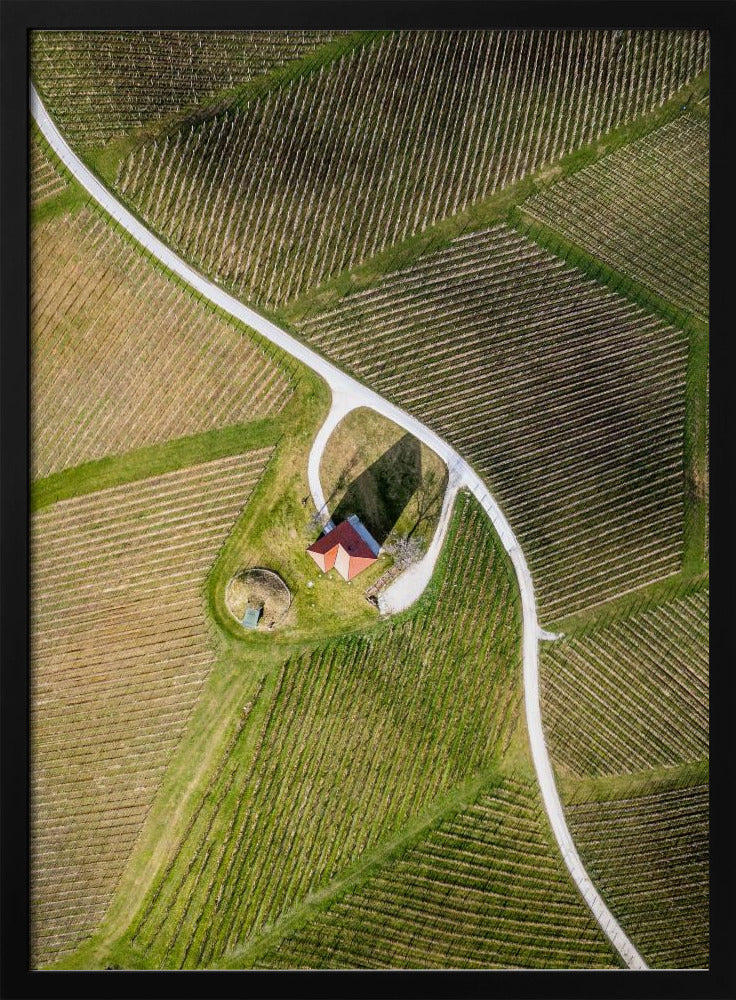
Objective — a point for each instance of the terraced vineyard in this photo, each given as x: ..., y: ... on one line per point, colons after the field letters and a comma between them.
x: 377, y: 725
x: 644, y: 211
x: 46, y: 181
x: 631, y: 695
x: 124, y: 357
x: 486, y: 889
x: 102, y: 84
x: 275, y: 196
x: 649, y: 857
x: 567, y: 398
x: 120, y: 649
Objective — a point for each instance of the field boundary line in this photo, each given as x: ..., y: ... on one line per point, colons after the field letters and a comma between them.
x: 339, y: 382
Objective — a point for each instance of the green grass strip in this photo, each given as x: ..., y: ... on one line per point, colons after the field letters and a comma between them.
x: 609, y: 788
x: 153, y: 460
x: 639, y: 600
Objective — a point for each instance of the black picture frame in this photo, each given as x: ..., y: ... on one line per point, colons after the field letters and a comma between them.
x: 17, y: 19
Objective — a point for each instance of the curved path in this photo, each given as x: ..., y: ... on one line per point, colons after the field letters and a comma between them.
x: 348, y: 392
x: 411, y: 584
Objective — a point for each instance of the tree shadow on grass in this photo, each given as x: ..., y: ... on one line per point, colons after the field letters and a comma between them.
x: 380, y: 495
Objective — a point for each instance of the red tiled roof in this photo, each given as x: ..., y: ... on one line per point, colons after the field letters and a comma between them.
x: 346, y: 535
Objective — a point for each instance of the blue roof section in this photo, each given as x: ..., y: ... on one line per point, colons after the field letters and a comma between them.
x: 365, y: 534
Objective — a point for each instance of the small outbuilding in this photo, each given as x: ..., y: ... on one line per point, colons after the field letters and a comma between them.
x: 349, y: 547
x: 252, y: 615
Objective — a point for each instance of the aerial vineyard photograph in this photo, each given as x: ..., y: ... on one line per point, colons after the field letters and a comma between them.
x: 369, y: 498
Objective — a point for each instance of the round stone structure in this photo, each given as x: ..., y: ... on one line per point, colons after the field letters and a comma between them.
x: 261, y: 588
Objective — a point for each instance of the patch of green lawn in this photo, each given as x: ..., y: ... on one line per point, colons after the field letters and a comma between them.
x: 153, y: 460
x: 274, y: 532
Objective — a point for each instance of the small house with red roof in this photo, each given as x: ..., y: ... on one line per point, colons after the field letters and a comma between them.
x: 349, y: 547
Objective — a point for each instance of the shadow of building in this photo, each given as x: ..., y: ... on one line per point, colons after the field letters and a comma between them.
x: 380, y: 494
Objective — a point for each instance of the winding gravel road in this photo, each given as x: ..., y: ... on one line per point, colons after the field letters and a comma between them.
x: 347, y: 394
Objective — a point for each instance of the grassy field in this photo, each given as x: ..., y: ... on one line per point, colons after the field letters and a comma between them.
x: 485, y: 888
x: 124, y: 357
x: 632, y: 693
x: 275, y: 533
x: 380, y: 724
x: 644, y: 211
x: 121, y: 646
x: 566, y: 398
x: 103, y: 84
x: 445, y: 118
x: 648, y: 854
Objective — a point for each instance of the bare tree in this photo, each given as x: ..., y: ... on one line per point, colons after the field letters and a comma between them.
x: 405, y: 550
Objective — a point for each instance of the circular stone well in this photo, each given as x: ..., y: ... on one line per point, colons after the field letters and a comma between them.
x: 258, y: 586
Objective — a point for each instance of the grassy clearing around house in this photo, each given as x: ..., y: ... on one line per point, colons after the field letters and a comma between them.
x: 648, y: 855
x: 568, y: 399
x: 275, y: 531
x: 379, y: 724
x: 630, y: 694
x: 418, y: 125
x: 393, y: 482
